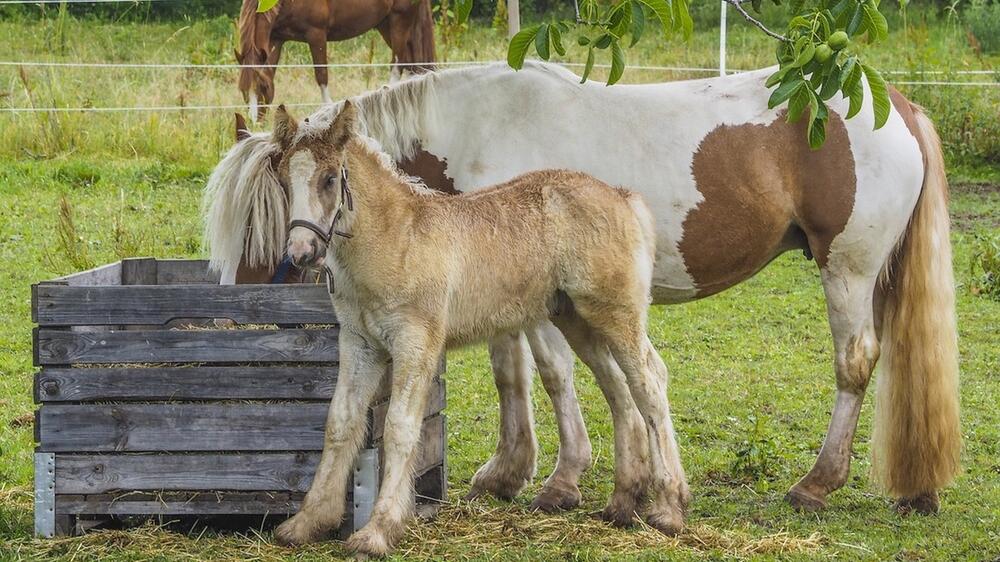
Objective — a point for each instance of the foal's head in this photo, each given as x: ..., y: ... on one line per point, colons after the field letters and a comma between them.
x: 313, y: 173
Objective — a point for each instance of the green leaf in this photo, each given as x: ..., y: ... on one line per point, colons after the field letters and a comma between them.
x: 816, y: 133
x: 617, y: 63
x: 556, y: 37
x: 462, y: 10
x: 663, y: 12
x: 878, y: 28
x: 804, y: 56
x: 603, y: 41
x: 619, y: 20
x: 589, y: 66
x: 542, y: 41
x: 880, y: 95
x: 856, y: 19
x: 839, y: 9
x: 857, y: 96
x: 830, y: 84
x: 518, y: 47
x: 847, y: 72
x: 638, y: 22
x: 265, y: 5
x: 776, y: 77
x: 682, y: 17
x: 796, y: 6
x: 781, y: 94
x: 798, y: 102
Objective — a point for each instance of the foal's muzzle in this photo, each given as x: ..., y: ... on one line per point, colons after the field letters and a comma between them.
x: 306, y: 249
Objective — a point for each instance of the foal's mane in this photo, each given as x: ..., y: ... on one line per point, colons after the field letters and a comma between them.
x: 251, y: 24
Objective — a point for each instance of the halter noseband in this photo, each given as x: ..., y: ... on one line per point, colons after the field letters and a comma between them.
x: 326, y: 235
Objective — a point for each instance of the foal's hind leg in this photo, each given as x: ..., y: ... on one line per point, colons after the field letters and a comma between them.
x: 554, y: 359
x: 849, y: 299
x: 631, y: 442
x: 513, y: 463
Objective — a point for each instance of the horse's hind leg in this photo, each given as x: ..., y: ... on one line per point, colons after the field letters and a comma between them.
x: 850, y: 306
x: 513, y: 464
x: 554, y: 360
x: 631, y: 442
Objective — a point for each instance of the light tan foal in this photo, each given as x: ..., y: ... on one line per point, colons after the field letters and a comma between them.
x: 416, y: 273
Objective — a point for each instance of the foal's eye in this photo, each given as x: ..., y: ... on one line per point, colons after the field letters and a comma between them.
x: 331, y: 181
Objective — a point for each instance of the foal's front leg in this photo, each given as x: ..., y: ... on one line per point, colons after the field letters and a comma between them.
x: 415, y: 357
x: 361, y: 370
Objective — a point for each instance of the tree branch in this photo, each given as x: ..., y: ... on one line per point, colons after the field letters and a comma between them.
x: 738, y: 4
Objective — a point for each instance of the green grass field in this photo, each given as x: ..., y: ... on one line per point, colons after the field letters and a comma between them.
x: 751, y: 368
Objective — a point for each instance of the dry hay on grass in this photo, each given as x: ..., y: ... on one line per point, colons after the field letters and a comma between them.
x: 486, y: 529
x: 461, y: 530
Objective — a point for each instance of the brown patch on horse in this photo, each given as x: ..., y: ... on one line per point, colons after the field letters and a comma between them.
x: 765, y: 192
x: 429, y: 168
x: 904, y: 107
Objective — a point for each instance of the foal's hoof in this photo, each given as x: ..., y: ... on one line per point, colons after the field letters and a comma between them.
x: 804, y: 501
x: 368, y: 542
x: 669, y: 523
x: 551, y: 500
x: 619, y: 515
x: 298, y: 530
x: 924, y: 504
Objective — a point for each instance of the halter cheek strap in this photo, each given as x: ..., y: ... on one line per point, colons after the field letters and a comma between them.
x: 326, y: 235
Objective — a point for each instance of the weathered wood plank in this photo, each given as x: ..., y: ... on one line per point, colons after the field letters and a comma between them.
x: 57, y: 305
x: 279, y: 382
x: 110, y: 274
x: 282, y: 472
x: 139, y: 271
x: 185, y: 272
x: 55, y: 347
x: 205, y: 503
x: 436, y: 402
x: 194, y: 427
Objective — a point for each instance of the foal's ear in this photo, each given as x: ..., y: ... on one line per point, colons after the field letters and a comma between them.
x: 285, y: 127
x: 242, y: 131
x: 340, y: 131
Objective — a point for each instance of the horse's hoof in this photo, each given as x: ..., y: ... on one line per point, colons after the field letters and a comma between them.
x: 924, y: 504
x: 368, y: 542
x: 552, y: 500
x: 618, y: 515
x: 505, y: 487
x: 803, y: 501
x: 669, y: 523
x: 298, y: 530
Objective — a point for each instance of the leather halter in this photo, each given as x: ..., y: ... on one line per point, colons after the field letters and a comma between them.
x: 326, y: 235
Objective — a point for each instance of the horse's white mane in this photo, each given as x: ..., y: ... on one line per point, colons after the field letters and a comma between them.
x: 244, y: 208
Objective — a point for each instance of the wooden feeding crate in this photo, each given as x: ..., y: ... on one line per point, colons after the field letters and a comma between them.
x: 148, y: 407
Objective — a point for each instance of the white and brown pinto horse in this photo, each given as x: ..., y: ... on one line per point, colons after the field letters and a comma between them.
x: 731, y: 185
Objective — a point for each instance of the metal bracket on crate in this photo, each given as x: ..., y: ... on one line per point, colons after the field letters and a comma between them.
x: 365, y: 486
x: 45, y: 495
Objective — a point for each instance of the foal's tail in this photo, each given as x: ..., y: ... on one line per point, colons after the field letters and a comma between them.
x: 916, y: 441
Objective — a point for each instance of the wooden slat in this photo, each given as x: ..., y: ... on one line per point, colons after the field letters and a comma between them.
x: 280, y: 382
x: 297, y: 426
x: 54, y: 347
x: 436, y: 402
x: 232, y: 503
x: 110, y: 274
x: 139, y: 271
x: 185, y: 272
x: 57, y: 305
x: 283, y: 472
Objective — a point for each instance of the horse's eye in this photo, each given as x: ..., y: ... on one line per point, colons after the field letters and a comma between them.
x: 331, y: 181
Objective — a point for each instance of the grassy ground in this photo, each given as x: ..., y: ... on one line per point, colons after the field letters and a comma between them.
x: 751, y: 367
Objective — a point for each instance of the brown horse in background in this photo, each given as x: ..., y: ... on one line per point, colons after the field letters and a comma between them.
x: 406, y: 26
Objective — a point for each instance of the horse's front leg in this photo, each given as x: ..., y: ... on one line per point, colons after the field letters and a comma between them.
x: 513, y: 463
x: 317, y: 46
x: 415, y: 357
x: 362, y: 368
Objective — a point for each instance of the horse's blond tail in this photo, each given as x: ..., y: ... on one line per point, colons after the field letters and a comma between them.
x: 916, y: 441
